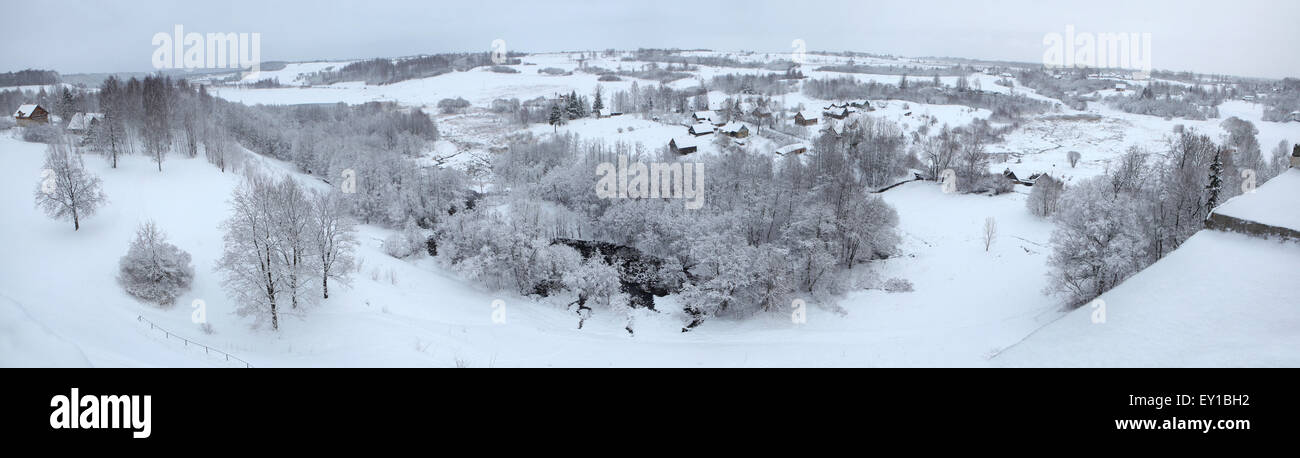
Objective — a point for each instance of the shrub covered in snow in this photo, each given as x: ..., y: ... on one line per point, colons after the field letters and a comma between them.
x: 898, y: 285
x: 41, y: 133
x: 154, y: 270
x: 450, y: 106
x: 1044, y: 196
x: 406, y: 243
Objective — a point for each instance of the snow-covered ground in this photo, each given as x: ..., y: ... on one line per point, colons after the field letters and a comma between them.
x: 70, y: 311
x: 60, y: 304
x: 1220, y: 300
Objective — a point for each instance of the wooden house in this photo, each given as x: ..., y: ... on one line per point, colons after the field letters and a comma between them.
x: 31, y: 114
x: 735, y: 130
x: 683, y: 145
x: 796, y: 148
x: 806, y: 118
x: 703, y: 128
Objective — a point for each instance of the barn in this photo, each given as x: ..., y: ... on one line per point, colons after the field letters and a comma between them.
x: 806, y: 118
x: 683, y: 145
x: 31, y: 114
x: 796, y: 148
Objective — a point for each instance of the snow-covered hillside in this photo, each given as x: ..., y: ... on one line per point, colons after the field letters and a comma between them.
x: 1219, y: 300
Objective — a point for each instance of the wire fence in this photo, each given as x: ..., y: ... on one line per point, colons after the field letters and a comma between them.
x: 168, y: 335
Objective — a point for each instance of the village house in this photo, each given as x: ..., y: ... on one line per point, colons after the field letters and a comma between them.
x: 606, y: 113
x: 31, y: 114
x: 683, y: 145
x: 703, y: 128
x: 704, y: 116
x: 837, y: 113
x: 83, y: 122
x: 806, y: 118
x: 735, y: 130
x: 796, y: 148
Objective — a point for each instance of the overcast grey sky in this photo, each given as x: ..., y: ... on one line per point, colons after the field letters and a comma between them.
x: 1242, y: 37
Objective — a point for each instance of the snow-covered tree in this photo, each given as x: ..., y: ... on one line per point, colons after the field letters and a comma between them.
x: 154, y: 270
x: 1097, y: 241
x: 1280, y: 162
x: 556, y: 118
x: 156, y: 99
x: 66, y: 189
x: 292, y: 219
x: 253, y: 269
x: 1044, y: 195
x: 596, y: 283
x: 1215, y: 186
x: 333, y: 239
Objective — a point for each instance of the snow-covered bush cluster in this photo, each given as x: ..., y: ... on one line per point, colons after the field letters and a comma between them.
x: 405, y: 243
x: 1167, y: 100
x: 154, y: 270
x: 1045, y: 196
x: 898, y: 285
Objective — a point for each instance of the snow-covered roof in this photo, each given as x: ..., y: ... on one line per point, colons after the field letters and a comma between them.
x: 1275, y: 203
x: 809, y: 115
x: 733, y: 127
x: 82, y: 121
x: 685, y: 142
x: 25, y: 110
x: 705, y: 115
x: 702, y: 128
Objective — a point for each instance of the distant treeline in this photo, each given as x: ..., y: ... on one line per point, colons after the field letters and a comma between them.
x: 388, y: 71
x: 673, y: 56
x: 897, y: 70
x: 28, y: 78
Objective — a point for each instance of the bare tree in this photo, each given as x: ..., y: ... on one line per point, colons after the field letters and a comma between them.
x: 66, y: 189
x: 292, y: 220
x: 333, y: 239
x: 253, y: 271
x: 990, y: 232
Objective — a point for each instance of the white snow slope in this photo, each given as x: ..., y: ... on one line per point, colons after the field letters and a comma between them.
x: 1220, y: 300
